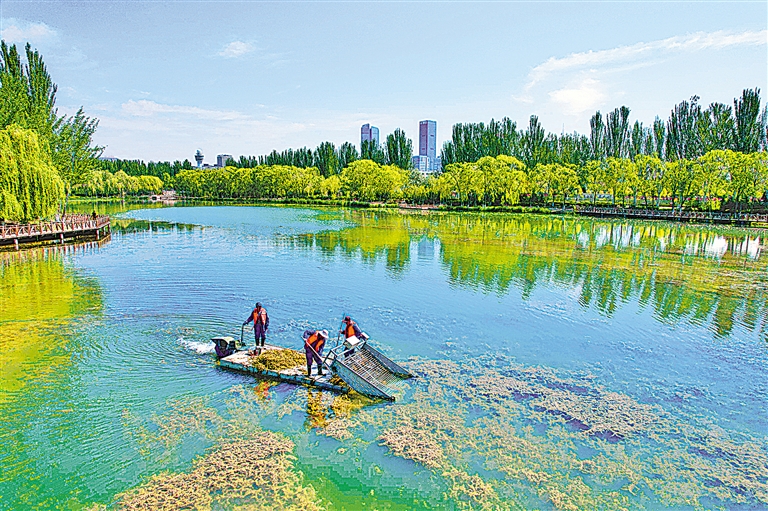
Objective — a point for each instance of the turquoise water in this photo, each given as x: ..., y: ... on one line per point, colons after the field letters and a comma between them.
x: 521, y: 329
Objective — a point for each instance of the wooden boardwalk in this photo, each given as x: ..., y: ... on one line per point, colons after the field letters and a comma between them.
x: 71, y: 226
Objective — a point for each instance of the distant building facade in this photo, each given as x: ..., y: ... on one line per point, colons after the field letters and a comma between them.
x: 427, y: 165
x: 221, y: 160
x: 428, y: 139
x: 199, y: 158
x: 427, y: 161
x: 369, y: 133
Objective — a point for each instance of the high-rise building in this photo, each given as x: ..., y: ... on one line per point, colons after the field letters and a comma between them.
x: 221, y: 160
x: 428, y: 139
x: 426, y: 165
x: 427, y: 161
x: 369, y: 133
x: 199, y: 158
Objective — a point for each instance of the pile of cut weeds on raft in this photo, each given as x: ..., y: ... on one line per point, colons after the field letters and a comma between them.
x: 277, y: 360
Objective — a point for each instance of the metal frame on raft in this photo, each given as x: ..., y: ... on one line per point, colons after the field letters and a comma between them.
x: 366, y: 370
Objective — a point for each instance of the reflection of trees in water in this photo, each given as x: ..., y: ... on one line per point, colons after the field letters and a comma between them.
x: 696, y: 273
x: 674, y: 269
x: 41, y: 302
x: 375, y: 237
x: 132, y: 225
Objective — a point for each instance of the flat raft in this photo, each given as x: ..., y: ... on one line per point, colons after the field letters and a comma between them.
x: 239, y: 361
x: 362, y: 367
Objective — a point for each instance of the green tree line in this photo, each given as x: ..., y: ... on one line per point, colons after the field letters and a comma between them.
x: 702, y: 183
x: 360, y: 179
x: 697, y: 158
x: 102, y: 183
x: 163, y: 169
x: 690, y: 132
x: 330, y: 160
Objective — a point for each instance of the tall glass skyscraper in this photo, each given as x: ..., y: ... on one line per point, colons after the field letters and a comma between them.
x: 428, y: 139
x: 369, y: 133
x: 427, y: 161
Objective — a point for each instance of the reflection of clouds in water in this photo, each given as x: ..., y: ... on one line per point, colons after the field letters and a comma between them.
x: 749, y: 247
x: 602, y: 237
x: 583, y: 239
x: 716, y: 247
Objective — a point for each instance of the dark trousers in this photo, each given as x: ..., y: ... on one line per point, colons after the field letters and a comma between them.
x: 259, y: 332
x: 311, y: 355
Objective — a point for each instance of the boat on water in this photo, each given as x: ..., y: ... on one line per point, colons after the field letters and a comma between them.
x: 354, y: 364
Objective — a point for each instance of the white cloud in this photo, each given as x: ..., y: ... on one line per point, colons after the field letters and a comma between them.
x: 584, y: 97
x: 623, y: 54
x: 21, y: 32
x: 147, y: 108
x: 236, y: 49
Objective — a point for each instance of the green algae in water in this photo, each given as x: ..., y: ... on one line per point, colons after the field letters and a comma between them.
x: 518, y: 447
x: 495, y: 434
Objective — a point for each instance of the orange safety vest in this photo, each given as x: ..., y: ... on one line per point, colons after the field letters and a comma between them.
x: 316, y: 342
x: 260, y: 315
x: 349, y: 331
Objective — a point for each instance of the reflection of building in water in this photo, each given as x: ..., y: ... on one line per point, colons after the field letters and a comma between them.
x: 426, y: 249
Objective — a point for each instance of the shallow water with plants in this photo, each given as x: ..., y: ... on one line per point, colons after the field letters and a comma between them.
x: 562, y: 364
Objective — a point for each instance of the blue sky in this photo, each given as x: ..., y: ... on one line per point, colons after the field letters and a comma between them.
x: 246, y: 77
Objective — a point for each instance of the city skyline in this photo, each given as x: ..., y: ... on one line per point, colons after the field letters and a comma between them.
x: 178, y: 75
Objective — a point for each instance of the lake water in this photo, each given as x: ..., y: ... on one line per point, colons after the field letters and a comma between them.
x: 563, y: 363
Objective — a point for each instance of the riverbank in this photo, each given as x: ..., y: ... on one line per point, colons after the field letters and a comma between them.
x: 758, y: 220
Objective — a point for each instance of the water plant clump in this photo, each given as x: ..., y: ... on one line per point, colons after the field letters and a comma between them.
x: 277, y: 360
x: 496, y: 434
x: 531, y: 424
x: 254, y: 473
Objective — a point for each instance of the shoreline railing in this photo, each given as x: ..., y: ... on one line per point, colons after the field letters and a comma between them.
x: 675, y: 216
x: 70, y: 225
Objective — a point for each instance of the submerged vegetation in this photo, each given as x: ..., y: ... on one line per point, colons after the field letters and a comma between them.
x: 493, y: 433
x: 254, y: 473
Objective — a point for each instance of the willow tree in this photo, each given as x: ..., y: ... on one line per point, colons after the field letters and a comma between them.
x: 30, y: 185
x: 28, y: 99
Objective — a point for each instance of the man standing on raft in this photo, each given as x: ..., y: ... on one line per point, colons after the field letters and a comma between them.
x: 260, y: 324
x: 314, y: 342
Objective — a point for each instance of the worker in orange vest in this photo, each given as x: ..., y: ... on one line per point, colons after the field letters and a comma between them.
x: 260, y: 320
x: 350, y: 329
x: 314, y: 342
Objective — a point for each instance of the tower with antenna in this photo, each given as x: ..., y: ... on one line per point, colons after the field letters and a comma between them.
x: 199, y: 158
